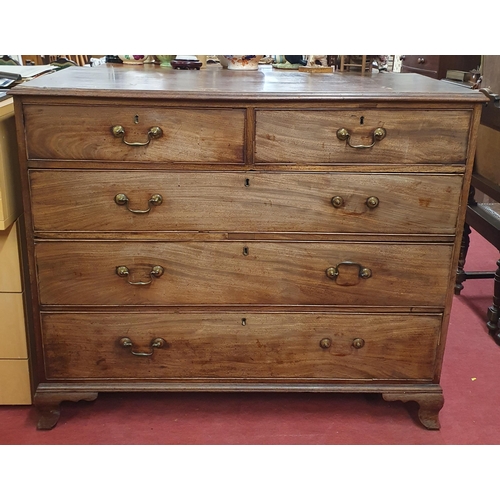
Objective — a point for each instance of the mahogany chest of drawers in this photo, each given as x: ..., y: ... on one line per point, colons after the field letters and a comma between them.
x: 242, y: 231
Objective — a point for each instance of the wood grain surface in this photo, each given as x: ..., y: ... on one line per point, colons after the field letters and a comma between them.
x: 440, y: 136
x: 223, y: 346
x: 244, y: 202
x: 84, y: 133
x: 218, y: 273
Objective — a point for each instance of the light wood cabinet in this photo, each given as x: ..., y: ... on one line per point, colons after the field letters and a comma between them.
x: 14, y: 365
x: 242, y: 231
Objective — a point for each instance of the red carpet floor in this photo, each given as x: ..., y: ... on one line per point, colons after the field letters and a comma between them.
x: 470, y: 381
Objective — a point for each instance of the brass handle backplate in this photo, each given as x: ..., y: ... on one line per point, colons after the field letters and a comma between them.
x: 155, y: 344
x: 344, y: 135
x: 372, y: 202
x: 153, y: 133
x: 124, y: 272
x: 154, y: 201
x: 348, y: 273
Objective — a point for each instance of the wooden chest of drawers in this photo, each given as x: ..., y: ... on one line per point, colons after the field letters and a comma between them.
x: 242, y: 231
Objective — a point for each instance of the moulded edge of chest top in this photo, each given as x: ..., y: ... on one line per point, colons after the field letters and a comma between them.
x: 258, y: 102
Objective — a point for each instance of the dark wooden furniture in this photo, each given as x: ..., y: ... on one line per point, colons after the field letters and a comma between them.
x: 225, y: 231
x: 437, y: 66
x: 484, y: 215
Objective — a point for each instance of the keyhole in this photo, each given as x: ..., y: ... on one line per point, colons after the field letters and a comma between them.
x: 136, y: 119
x: 244, y: 321
x: 245, y: 251
x: 361, y: 120
x: 247, y: 182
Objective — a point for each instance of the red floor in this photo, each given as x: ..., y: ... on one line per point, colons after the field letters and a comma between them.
x: 470, y: 381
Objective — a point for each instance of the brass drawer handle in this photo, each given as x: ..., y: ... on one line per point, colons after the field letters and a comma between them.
x: 124, y: 272
x: 153, y: 133
x: 156, y: 343
x: 155, y: 200
x: 371, y: 202
x: 342, y: 273
x: 344, y: 135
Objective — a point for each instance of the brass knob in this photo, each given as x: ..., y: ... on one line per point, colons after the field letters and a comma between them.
x: 421, y: 60
x: 337, y: 201
x: 365, y: 273
x: 342, y: 134
x: 325, y: 343
x: 332, y: 272
x: 379, y: 133
x: 358, y: 343
x: 372, y: 202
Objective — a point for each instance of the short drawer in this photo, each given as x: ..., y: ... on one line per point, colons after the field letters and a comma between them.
x: 244, y: 202
x: 411, y: 136
x: 86, y: 133
x: 428, y: 63
x: 239, y: 345
x: 257, y: 272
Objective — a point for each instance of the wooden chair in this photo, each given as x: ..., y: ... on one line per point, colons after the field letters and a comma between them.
x: 484, y: 216
x: 362, y: 64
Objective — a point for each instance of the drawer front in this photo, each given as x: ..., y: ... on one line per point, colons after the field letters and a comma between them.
x: 244, y: 202
x: 428, y: 63
x: 225, y: 346
x: 412, y: 136
x: 218, y: 273
x: 85, y: 133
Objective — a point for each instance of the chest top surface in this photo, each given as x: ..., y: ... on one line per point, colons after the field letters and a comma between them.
x: 264, y: 84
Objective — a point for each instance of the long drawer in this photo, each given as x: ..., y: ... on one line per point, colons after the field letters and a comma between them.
x: 440, y: 136
x: 227, y: 345
x: 244, y: 201
x: 86, y: 133
x: 257, y: 272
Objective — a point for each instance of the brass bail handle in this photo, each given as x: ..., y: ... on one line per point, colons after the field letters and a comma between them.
x: 155, y: 344
x: 154, y: 201
x: 124, y: 272
x: 344, y: 135
x: 153, y: 133
x: 335, y: 271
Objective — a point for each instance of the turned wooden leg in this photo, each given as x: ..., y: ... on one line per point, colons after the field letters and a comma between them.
x: 430, y: 404
x: 48, y: 404
x: 464, y: 248
x: 493, y: 311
